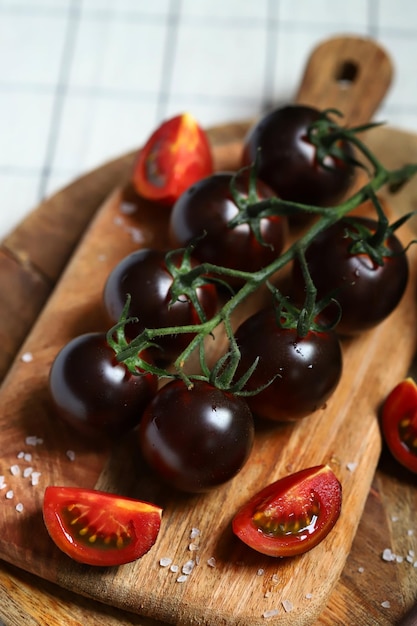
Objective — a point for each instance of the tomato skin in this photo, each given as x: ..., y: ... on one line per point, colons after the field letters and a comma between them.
x: 175, y: 156
x: 267, y: 522
x: 110, y: 529
x: 94, y: 393
x: 308, y: 368
x: 366, y: 292
x: 196, y: 439
x: 399, y: 423
x: 286, y: 158
x: 207, y: 207
x: 144, y: 275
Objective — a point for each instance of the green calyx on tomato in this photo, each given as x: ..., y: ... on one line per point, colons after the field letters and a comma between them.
x: 399, y: 423
x: 175, y: 156
x: 292, y: 515
x: 98, y: 528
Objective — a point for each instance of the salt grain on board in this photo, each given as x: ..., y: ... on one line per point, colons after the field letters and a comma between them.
x: 182, y: 578
x: 387, y: 555
x: 15, y: 470
x: 288, y: 606
x: 19, y: 507
x: 386, y: 604
x: 27, y: 357
x: 270, y: 613
x: 165, y: 561
x: 351, y: 466
x: 70, y: 454
x: 188, y: 567
x: 9, y: 494
x: 35, y: 478
x: 27, y: 471
x: 211, y: 562
x: 33, y: 440
x: 2, y: 482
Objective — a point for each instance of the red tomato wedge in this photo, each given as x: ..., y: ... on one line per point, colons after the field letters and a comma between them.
x: 98, y: 528
x: 175, y: 156
x: 291, y: 515
x: 399, y: 423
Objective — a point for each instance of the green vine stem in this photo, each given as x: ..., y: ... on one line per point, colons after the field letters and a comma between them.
x: 327, y: 216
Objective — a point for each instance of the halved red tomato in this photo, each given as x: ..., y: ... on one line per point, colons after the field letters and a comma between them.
x: 175, y: 156
x: 99, y: 528
x: 291, y: 515
x: 399, y: 423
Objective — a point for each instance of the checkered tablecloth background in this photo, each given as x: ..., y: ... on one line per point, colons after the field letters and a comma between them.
x: 84, y: 81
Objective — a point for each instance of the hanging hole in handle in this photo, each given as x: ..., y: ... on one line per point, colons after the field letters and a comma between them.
x: 346, y: 74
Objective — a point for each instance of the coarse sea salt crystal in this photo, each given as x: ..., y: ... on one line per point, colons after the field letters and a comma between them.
x: 20, y: 455
x: 309, y: 596
x: 128, y: 208
x: 9, y: 494
x: 27, y: 471
x: 26, y: 357
x: 270, y: 613
x: 351, y: 466
x: 211, y: 562
x: 174, y: 568
x: 165, y: 561
x: 288, y: 606
x: 2, y: 482
x: 386, y: 604
x: 188, y: 567
x: 70, y: 454
x: 19, y: 507
x: 388, y: 555
x: 195, y: 532
x: 35, y: 478
x: 182, y: 578
x: 33, y: 440
x: 27, y: 457
x: 193, y: 547
x: 15, y: 470
x: 361, y: 570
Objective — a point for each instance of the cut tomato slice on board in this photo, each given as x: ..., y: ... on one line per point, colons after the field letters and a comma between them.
x: 399, y: 423
x: 98, y: 528
x: 175, y: 156
x: 291, y: 515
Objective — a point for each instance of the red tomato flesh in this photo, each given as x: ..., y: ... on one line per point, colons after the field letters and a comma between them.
x: 399, y: 423
x: 291, y: 515
x: 98, y: 528
x: 175, y: 156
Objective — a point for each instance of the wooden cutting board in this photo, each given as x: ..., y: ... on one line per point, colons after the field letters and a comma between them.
x: 345, y: 432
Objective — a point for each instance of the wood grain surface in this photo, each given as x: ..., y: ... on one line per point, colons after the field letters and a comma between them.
x: 358, y: 596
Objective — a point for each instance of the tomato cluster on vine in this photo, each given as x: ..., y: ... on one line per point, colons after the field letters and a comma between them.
x: 285, y: 360
x: 231, y: 233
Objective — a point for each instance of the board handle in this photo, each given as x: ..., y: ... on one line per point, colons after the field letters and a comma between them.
x: 351, y: 74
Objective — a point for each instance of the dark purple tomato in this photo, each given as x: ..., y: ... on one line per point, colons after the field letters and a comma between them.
x: 93, y: 392
x: 367, y: 292
x: 207, y: 207
x: 287, y: 161
x: 144, y: 275
x: 198, y: 438
x: 306, y: 369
